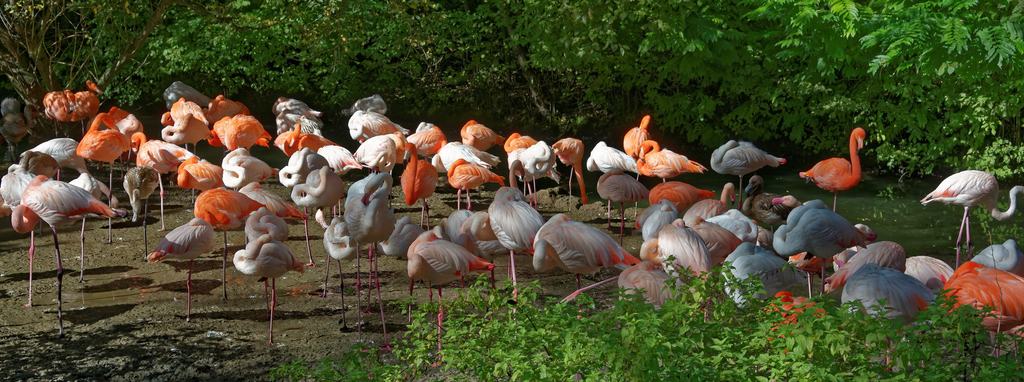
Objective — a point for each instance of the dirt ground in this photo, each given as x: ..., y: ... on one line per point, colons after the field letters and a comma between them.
x: 126, y: 320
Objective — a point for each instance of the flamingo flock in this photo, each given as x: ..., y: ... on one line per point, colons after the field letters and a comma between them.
x: 685, y: 231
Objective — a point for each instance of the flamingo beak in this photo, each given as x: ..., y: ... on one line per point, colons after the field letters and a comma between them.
x: 860, y: 143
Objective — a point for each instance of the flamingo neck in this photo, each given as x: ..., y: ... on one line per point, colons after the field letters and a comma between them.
x: 854, y: 158
x: 1013, y: 205
x: 23, y: 219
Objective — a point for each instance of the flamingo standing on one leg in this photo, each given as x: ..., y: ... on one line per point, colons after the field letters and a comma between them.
x: 321, y: 189
x: 12, y: 186
x: 98, y: 190
x: 969, y: 189
x: 139, y: 183
x: 163, y: 157
x: 515, y: 223
x: 370, y: 220
x: 838, y: 174
x: 419, y: 179
x: 620, y: 188
x: 225, y: 210
x: 577, y: 248
x: 268, y: 259
x: 741, y: 158
x: 570, y: 153
x: 185, y: 243
x: 340, y: 246
x: 55, y: 203
x: 104, y: 143
x: 240, y: 169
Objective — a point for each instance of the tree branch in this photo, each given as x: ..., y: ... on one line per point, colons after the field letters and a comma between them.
x: 140, y: 40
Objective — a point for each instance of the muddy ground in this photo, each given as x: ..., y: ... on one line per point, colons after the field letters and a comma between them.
x: 126, y: 320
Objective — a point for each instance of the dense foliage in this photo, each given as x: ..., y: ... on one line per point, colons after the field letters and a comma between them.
x: 936, y: 82
x: 699, y: 334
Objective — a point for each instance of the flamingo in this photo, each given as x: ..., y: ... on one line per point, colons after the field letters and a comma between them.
x: 241, y: 168
x: 465, y: 176
x: 681, y: 194
x: 163, y: 157
x: 874, y: 285
x: 708, y: 208
x: 655, y: 217
x: 515, y: 224
x: 220, y: 107
x: 515, y: 141
x: 397, y: 245
x: 635, y: 138
x: 55, y: 203
x: 838, y: 174
x: 125, y: 122
x: 972, y: 188
x: 179, y: 90
x: 1006, y: 256
x: 139, y: 184
x: 401, y: 150
x: 103, y: 145
x: 63, y: 150
x: 931, y: 272
x: 370, y: 220
x: 265, y: 222
x: 439, y: 262
x: 428, y: 139
x: 419, y: 180
x: 814, y: 229
x: 68, y: 106
x: 363, y: 125
x: 198, y: 174
x: 188, y: 124
x: 538, y: 160
x: 374, y: 103
x: 12, y: 186
x: 883, y: 253
x: 225, y: 210
x: 609, y: 159
x: 294, y: 140
x: 98, y: 190
x: 300, y: 164
x: 322, y: 188
x: 982, y: 287
x: 268, y: 259
x: 478, y: 136
x: 649, y: 279
x: 620, y: 188
x: 454, y: 151
x: 186, y: 242
x: 37, y: 163
x: 767, y: 208
x: 737, y: 223
x: 340, y: 246
x: 570, y: 153
x: 378, y: 153
x: 665, y: 164
x: 748, y: 260
x: 720, y: 241
x: 339, y: 158
x: 274, y: 202
x: 289, y: 111
x: 576, y: 248
x: 741, y: 158
x: 239, y: 131
x: 15, y: 124
x: 677, y: 248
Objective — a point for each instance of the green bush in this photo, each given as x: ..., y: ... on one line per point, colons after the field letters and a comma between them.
x: 699, y: 334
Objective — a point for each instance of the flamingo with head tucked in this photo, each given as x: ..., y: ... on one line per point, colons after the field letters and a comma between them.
x: 972, y: 188
x: 428, y: 139
x: 741, y: 158
x: 239, y: 131
x: 370, y: 220
x: 221, y: 107
x: 187, y: 124
x: 363, y: 125
x: 104, y: 143
x: 268, y: 259
x: 708, y: 208
x: 224, y: 210
x: 570, y: 153
x: 291, y: 141
x: 186, y: 242
x: 419, y: 179
x: 576, y: 248
x: 62, y: 150
x: 620, y: 188
x: 478, y: 136
x: 681, y: 194
x: 838, y: 174
x: 321, y: 189
x: 663, y: 163
x: 240, y: 168
x: 982, y: 287
x: 465, y: 176
x: 515, y: 224
x: 636, y: 136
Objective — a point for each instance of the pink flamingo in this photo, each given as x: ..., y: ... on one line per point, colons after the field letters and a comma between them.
x: 515, y: 223
x: 577, y: 248
x: 186, y: 242
x: 268, y: 259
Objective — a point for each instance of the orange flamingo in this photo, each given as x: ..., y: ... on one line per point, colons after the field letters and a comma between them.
x: 515, y: 142
x: 185, y: 124
x: 664, y: 164
x: 104, y: 143
x: 980, y: 286
x: 570, y: 153
x: 68, y: 106
x: 198, y: 174
x: 681, y: 194
x: 295, y: 140
x: 467, y: 176
x: 418, y: 182
x: 221, y: 107
x: 161, y: 156
x: 55, y: 203
x: 224, y: 210
x: 239, y: 131
x: 126, y: 122
x: 428, y: 139
x: 838, y: 174
x: 635, y: 137
x: 479, y: 136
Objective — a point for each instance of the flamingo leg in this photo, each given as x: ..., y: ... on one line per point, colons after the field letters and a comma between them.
x: 145, y: 230
x: 305, y: 231
x: 578, y: 281
x: 570, y: 183
x: 60, y: 284
x: 160, y: 181
x: 327, y: 275
x: 809, y: 276
x: 970, y: 246
x: 408, y: 307
x: 835, y: 197
x: 573, y: 295
x: 81, y: 257
x: 440, y: 320
x: 622, y: 221
x: 959, y: 236
x: 31, y: 257
x: 359, y: 307
x: 110, y: 196
x: 458, y: 199
x: 188, y: 292
x: 609, y: 215
x: 380, y: 301
x: 512, y: 268
x: 739, y: 195
x: 469, y: 199
x: 273, y: 305
x: 341, y: 286
x: 423, y: 212
x: 224, y: 268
